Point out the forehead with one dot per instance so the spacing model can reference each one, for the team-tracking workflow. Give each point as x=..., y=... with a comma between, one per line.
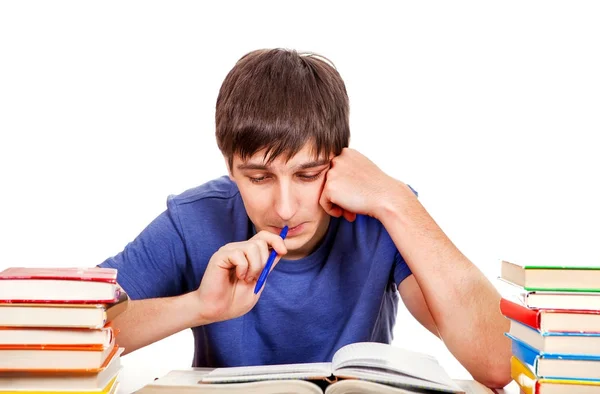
x=308, y=153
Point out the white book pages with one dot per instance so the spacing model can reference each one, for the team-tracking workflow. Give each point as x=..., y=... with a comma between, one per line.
x=473, y=387
x=393, y=359
x=363, y=387
x=270, y=372
x=394, y=379
x=182, y=377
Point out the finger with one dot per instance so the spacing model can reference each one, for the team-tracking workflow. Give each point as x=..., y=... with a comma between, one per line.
x=332, y=209
x=273, y=240
x=263, y=248
x=335, y=210
x=277, y=258
x=324, y=200
x=329, y=207
x=238, y=259
x=349, y=216
x=255, y=263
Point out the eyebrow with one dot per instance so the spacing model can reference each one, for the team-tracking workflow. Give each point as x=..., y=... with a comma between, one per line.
x=303, y=166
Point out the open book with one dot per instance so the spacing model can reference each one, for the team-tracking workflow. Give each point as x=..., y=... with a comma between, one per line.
x=321, y=378
x=189, y=382
x=358, y=367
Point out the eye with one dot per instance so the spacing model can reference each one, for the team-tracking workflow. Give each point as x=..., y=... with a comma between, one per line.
x=259, y=179
x=308, y=177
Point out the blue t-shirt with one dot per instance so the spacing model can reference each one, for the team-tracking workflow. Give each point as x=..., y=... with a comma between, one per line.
x=344, y=292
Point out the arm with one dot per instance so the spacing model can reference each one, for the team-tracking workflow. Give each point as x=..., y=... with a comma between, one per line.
x=449, y=296
x=470, y=324
x=413, y=299
x=225, y=292
x=147, y=321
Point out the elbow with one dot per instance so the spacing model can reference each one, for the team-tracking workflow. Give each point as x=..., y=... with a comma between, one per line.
x=496, y=380
x=496, y=376
x=493, y=369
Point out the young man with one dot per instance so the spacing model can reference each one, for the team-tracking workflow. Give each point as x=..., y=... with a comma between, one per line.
x=356, y=239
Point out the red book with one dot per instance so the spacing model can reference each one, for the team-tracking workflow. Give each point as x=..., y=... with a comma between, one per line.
x=552, y=320
x=59, y=285
x=95, y=274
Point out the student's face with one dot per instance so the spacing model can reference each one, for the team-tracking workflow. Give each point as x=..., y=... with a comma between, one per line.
x=285, y=193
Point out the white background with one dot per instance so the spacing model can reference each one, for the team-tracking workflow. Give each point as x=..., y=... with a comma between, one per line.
x=489, y=109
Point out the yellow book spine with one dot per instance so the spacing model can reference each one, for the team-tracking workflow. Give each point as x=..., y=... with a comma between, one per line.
x=530, y=384
x=571, y=382
x=522, y=375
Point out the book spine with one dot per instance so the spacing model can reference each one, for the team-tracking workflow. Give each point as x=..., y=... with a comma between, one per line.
x=524, y=353
x=520, y=313
x=60, y=301
x=523, y=376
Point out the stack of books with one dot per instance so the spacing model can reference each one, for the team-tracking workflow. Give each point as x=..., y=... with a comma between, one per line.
x=554, y=314
x=55, y=333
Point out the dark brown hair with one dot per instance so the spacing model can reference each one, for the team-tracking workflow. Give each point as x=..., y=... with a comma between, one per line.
x=278, y=100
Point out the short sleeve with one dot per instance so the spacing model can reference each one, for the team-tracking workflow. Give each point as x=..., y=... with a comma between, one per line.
x=153, y=264
x=401, y=270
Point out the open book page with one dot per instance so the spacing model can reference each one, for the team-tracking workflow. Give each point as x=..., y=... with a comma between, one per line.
x=399, y=380
x=366, y=387
x=378, y=359
x=363, y=387
x=473, y=387
x=188, y=381
x=183, y=377
x=269, y=372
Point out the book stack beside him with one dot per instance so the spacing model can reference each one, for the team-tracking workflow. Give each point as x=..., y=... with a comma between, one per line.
x=55, y=333
x=554, y=314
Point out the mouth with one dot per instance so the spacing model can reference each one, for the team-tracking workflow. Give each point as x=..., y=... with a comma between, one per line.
x=292, y=231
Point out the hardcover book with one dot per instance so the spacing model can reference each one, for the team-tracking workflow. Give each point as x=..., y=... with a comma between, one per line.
x=59, y=285
x=552, y=277
x=366, y=361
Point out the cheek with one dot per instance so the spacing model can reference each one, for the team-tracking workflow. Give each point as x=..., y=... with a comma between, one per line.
x=310, y=196
x=255, y=204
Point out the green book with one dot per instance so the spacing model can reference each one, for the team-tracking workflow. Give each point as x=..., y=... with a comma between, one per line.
x=552, y=277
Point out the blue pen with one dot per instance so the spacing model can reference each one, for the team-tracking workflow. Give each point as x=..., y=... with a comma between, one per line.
x=263, y=275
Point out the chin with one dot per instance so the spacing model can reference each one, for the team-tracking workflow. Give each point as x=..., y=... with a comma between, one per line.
x=299, y=244
x=294, y=244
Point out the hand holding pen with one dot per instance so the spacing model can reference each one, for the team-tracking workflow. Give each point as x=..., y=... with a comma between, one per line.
x=235, y=275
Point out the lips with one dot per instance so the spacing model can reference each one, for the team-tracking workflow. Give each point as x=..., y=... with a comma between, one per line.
x=293, y=230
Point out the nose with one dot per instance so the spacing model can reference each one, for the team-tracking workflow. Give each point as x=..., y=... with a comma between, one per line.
x=285, y=202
